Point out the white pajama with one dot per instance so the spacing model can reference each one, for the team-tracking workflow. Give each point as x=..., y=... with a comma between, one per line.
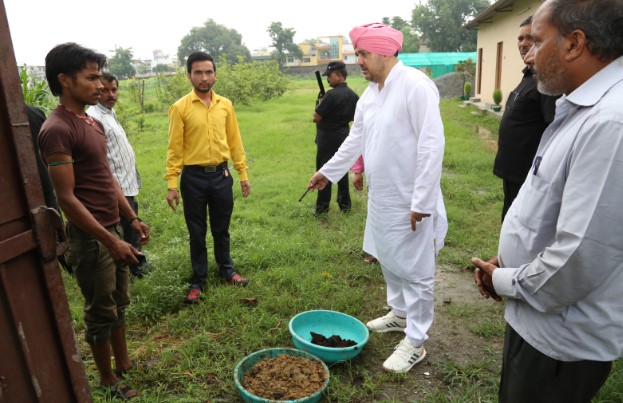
x=412, y=298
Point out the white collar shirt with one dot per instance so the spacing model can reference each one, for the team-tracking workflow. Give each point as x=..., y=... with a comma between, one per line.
x=120, y=154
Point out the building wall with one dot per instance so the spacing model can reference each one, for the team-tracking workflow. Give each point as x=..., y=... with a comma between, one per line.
x=504, y=29
x=325, y=50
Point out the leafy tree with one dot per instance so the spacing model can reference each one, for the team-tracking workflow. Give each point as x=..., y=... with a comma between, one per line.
x=441, y=21
x=163, y=68
x=215, y=39
x=410, y=41
x=121, y=63
x=283, y=42
x=396, y=22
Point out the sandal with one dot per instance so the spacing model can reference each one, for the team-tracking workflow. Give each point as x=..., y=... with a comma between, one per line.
x=237, y=279
x=122, y=391
x=194, y=292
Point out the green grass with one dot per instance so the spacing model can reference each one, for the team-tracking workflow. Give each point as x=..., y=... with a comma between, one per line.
x=297, y=262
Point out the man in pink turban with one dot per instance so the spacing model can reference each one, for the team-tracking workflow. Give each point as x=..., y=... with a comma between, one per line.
x=398, y=130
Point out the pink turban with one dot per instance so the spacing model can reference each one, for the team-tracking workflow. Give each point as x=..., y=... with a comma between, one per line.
x=376, y=38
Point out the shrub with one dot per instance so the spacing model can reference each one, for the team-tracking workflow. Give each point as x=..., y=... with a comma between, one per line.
x=36, y=92
x=172, y=88
x=467, y=89
x=497, y=96
x=243, y=82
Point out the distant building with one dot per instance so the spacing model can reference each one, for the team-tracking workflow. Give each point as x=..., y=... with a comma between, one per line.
x=160, y=58
x=326, y=49
x=498, y=64
x=348, y=51
x=262, y=54
x=310, y=56
x=142, y=67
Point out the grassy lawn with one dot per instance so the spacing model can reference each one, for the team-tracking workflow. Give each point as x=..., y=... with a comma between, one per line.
x=297, y=262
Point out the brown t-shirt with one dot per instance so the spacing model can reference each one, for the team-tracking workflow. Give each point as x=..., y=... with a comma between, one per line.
x=63, y=132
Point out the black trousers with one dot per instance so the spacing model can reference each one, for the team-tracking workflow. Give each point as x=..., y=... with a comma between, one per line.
x=206, y=193
x=529, y=376
x=323, y=155
x=511, y=189
x=128, y=233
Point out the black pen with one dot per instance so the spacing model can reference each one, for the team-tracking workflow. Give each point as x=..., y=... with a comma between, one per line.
x=537, y=162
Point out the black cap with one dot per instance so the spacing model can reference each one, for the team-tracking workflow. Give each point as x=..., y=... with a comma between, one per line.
x=334, y=66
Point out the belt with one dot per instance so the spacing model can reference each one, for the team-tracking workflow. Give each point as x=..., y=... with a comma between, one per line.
x=78, y=233
x=207, y=168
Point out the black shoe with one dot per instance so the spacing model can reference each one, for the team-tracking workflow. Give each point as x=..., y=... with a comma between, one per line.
x=345, y=209
x=141, y=270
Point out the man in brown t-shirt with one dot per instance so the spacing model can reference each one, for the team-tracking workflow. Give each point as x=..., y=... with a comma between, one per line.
x=74, y=147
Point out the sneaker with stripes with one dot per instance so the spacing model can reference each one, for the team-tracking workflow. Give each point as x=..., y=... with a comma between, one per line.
x=404, y=357
x=387, y=323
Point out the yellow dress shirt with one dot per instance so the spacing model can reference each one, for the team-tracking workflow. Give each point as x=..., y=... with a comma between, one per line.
x=199, y=135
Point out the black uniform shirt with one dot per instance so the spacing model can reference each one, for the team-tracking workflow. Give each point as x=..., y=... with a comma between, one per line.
x=337, y=109
x=527, y=115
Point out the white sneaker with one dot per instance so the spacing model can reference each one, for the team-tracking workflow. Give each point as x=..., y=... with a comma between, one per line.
x=404, y=357
x=387, y=323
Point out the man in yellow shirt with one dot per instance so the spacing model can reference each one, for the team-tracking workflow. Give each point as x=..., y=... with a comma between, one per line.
x=203, y=136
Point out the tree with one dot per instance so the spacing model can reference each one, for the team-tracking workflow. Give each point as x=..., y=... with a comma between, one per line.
x=410, y=41
x=121, y=63
x=283, y=42
x=440, y=23
x=216, y=40
x=396, y=22
x=163, y=68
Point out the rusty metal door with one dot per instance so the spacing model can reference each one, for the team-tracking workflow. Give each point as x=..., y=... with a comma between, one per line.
x=39, y=357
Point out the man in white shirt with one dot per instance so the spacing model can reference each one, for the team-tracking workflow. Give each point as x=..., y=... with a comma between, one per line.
x=398, y=130
x=121, y=159
x=560, y=256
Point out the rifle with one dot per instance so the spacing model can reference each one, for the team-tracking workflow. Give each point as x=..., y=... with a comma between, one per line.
x=320, y=86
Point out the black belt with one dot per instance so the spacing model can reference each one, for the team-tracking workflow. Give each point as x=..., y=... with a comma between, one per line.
x=207, y=168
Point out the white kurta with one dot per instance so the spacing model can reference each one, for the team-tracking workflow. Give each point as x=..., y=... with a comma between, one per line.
x=399, y=132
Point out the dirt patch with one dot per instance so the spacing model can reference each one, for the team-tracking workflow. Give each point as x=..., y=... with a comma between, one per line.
x=334, y=341
x=458, y=347
x=487, y=138
x=285, y=377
